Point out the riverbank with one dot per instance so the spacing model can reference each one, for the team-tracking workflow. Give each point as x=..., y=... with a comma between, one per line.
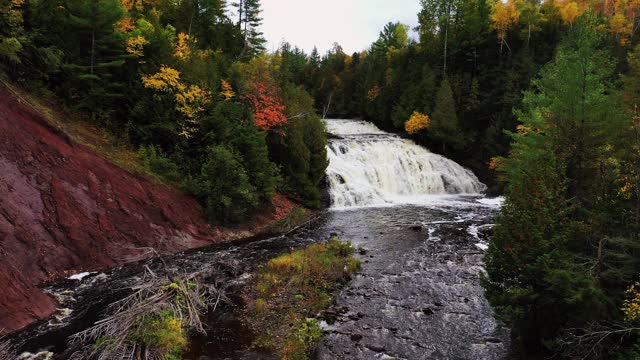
x=417, y=295
x=67, y=208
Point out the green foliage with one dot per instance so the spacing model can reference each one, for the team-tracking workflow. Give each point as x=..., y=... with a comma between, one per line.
x=444, y=120
x=393, y=36
x=300, y=150
x=97, y=51
x=296, y=217
x=158, y=164
x=96, y=55
x=224, y=183
x=552, y=265
x=291, y=288
x=163, y=333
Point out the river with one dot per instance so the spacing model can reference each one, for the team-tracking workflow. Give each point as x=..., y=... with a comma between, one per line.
x=421, y=226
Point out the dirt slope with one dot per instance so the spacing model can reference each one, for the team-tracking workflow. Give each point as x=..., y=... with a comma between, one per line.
x=65, y=209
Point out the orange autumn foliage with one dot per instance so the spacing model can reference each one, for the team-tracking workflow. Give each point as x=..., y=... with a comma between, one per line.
x=416, y=123
x=268, y=108
x=373, y=94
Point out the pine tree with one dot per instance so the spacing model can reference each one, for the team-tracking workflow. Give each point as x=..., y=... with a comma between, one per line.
x=444, y=121
x=96, y=51
x=249, y=22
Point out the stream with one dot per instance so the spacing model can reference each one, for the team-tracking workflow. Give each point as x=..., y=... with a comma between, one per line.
x=421, y=226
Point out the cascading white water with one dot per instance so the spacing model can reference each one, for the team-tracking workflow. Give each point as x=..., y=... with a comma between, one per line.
x=369, y=167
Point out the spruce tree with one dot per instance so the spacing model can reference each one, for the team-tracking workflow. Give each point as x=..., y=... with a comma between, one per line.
x=95, y=52
x=444, y=128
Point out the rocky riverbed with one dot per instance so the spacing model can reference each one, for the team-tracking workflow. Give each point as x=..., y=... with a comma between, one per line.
x=418, y=295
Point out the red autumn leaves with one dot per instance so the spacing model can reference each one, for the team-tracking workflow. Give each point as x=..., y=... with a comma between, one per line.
x=267, y=106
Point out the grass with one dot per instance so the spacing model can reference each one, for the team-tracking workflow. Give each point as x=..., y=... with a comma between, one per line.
x=291, y=290
x=164, y=332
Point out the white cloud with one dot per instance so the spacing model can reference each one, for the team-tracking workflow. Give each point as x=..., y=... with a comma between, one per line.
x=354, y=24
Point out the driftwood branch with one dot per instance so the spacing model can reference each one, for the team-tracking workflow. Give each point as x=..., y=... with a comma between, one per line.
x=6, y=350
x=110, y=338
x=589, y=342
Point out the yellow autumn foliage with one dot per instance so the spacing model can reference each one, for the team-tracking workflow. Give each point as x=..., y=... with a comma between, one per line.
x=416, y=123
x=125, y=25
x=135, y=45
x=569, y=11
x=373, y=94
x=622, y=27
x=183, y=51
x=12, y=12
x=166, y=80
x=190, y=100
x=631, y=306
x=503, y=16
x=226, y=90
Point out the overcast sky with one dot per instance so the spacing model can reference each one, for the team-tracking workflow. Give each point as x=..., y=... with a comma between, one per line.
x=355, y=24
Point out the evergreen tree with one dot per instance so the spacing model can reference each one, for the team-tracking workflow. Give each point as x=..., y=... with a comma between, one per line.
x=444, y=127
x=393, y=35
x=542, y=257
x=249, y=22
x=96, y=52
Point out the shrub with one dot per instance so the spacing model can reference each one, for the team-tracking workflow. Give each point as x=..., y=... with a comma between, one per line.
x=224, y=186
x=155, y=162
x=164, y=333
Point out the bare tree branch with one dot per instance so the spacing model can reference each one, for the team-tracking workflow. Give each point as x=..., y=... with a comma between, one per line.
x=589, y=342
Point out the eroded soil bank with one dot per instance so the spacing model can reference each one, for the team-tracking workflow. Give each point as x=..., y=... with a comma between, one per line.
x=418, y=295
x=66, y=209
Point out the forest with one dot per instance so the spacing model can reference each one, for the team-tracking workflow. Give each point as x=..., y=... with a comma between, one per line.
x=184, y=83
x=539, y=98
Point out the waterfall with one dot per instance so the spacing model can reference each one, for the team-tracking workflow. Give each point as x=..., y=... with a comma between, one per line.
x=369, y=167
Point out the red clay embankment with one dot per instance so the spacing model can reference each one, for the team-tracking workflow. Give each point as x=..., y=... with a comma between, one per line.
x=64, y=209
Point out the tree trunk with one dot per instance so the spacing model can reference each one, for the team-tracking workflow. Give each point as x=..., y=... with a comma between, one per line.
x=240, y=7
x=446, y=39
x=93, y=50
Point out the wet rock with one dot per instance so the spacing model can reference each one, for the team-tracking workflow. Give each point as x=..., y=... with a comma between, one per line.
x=376, y=347
x=493, y=340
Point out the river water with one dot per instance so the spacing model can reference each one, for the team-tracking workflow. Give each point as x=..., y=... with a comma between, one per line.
x=422, y=228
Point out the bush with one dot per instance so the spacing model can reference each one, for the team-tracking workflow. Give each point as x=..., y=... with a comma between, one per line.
x=156, y=163
x=224, y=186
